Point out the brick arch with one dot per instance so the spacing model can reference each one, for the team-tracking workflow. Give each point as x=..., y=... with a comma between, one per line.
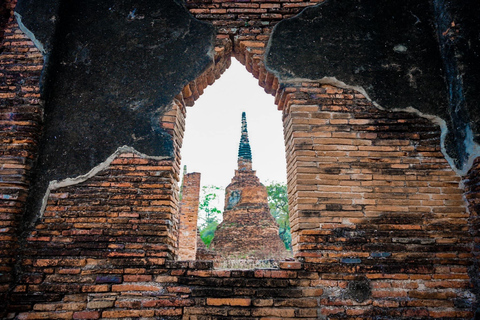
x=370, y=191
x=374, y=155
x=243, y=30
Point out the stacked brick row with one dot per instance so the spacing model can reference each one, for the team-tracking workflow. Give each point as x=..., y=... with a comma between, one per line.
x=20, y=120
x=286, y=293
x=181, y=290
x=138, y=291
x=246, y=17
x=173, y=122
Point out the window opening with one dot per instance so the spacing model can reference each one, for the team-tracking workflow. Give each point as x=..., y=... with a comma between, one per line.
x=211, y=147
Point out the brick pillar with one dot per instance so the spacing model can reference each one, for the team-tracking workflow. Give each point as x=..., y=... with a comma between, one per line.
x=187, y=238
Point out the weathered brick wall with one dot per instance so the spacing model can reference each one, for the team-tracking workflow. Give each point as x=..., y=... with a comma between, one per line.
x=188, y=211
x=378, y=219
x=244, y=27
x=6, y=8
x=20, y=121
x=363, y=257
x=92, y=234
x=123, y=216
x=371, y=194
x=472, y=196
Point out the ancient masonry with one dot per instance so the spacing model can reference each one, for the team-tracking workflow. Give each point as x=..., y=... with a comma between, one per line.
x=188, y=211
x=383, y=199
x=190, y=245
x=248, y=230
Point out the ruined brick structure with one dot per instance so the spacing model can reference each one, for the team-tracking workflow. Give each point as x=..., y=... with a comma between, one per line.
x=188, y=211
x=383, y=198
x=248, y=229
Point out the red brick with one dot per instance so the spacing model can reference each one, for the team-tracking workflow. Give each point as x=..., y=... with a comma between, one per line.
x=86, y=315
x=229, y=302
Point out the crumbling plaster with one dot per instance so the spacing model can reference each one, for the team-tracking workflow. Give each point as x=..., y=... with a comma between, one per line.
x=408, y=55
x=394, y=54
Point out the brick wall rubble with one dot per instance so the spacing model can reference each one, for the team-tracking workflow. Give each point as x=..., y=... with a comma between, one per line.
x=188, y=212
x=204, y=253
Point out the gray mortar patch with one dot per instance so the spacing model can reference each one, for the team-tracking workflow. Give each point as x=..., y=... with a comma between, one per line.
x=29, y=34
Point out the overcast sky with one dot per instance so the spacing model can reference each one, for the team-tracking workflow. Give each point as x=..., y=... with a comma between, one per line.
x=213, y=127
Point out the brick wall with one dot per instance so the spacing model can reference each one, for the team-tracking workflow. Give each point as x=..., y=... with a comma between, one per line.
x=188, y=211
x=472, y=195
x=362, y=257
x=92, y=234
x=379, y=224
x=6, y=8
x=371, y=195
x=20, y=121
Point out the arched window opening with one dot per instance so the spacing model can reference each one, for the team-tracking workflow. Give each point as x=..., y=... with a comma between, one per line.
x=215, y=131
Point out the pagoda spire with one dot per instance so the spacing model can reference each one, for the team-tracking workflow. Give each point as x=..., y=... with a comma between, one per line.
x=244, y=150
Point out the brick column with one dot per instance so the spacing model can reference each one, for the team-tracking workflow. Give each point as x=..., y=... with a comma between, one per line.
x=187, y=238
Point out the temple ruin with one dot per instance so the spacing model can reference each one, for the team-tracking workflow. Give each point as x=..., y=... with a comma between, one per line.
x=379, y=101
x=248, y=230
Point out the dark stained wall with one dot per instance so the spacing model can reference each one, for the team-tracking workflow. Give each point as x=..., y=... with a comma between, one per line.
x=398, y=52
x=113, y=70
x=421, y=54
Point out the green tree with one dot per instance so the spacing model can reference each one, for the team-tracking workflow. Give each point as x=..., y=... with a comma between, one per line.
x=208, y=213
x=278, y=203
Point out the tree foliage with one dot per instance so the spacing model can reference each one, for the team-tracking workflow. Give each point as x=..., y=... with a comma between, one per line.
x=208, y=214
x=278, y=202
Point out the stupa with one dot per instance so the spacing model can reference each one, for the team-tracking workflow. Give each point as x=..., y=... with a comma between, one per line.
x=248, y=230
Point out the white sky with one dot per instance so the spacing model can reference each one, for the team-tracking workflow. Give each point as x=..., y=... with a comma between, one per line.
x=213, y=127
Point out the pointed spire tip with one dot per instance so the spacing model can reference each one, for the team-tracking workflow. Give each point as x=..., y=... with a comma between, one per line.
x=244, y=150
